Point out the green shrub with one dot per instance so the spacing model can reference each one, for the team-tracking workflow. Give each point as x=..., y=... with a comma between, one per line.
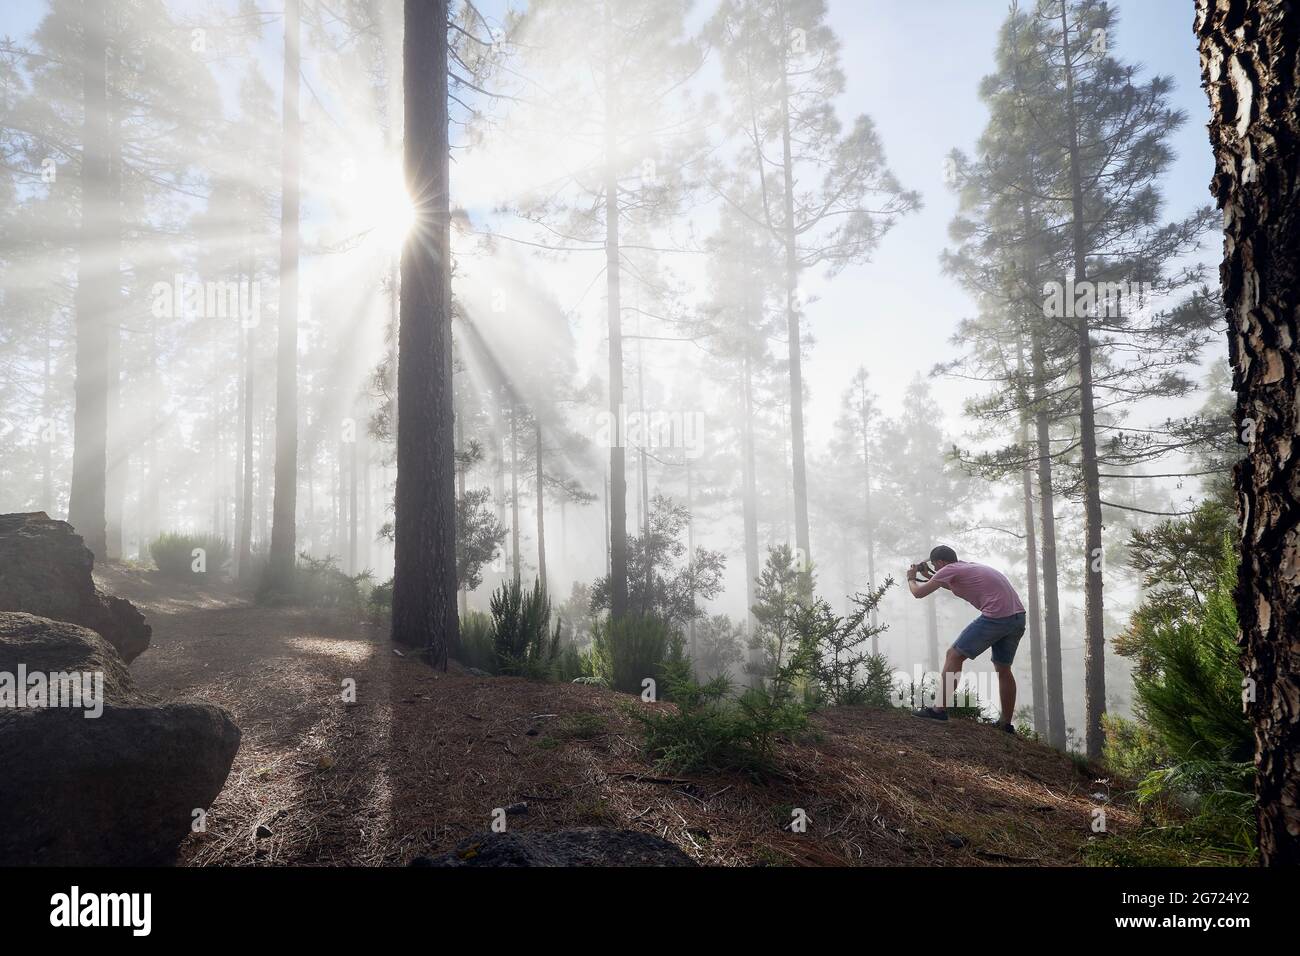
x=477, y=648
x=173, y=555
x=625, y=651
x=1192, y=745
x=710, y=730
x=523, y=641
x=319, y=582
x=380, y=602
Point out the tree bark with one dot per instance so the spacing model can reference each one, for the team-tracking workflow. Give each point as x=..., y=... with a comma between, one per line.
x=1249, y=55
x=1047, y=521
x=86, y=502
x=514, y=486
x=749, y=505
x=284, y=509
x=617, y=475
x=541, y=501
x=246, y=483
x=799, y=478
x=424, y=580
x=1031, y=562
x=1094, y=653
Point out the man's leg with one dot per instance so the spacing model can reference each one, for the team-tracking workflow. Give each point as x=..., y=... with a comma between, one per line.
x=952, y=665
x=1007, y=692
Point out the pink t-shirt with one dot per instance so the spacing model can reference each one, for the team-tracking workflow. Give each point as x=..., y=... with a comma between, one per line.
x=978, y=584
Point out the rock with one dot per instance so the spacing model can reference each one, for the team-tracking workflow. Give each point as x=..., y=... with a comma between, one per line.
x=45, y=570
x=262, y=832
x=586, y=846
x=118, y=789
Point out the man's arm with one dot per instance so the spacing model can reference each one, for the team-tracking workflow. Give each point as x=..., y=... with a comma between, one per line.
x=921, y=589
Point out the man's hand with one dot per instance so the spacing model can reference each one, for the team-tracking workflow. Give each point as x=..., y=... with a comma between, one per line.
x=911, y=572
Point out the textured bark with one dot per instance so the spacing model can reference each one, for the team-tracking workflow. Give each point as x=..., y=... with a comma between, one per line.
x=424, y=582
x=1047, y=521
x=86, y=501
x=285, y=506
x=514, y=486
x=749, y=506
x=541, y=504
x=1031, y=570
x=794, y=343
x=245, y=554
x=1250, y=55
x=617, y=462
x=1094, y=648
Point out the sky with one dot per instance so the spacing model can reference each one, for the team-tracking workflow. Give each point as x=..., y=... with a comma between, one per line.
x=914, y=68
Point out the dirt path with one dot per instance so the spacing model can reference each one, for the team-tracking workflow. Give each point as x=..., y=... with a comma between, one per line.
x=421, y=760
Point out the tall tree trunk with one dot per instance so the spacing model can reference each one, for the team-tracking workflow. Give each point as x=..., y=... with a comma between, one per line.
x=690, y=550
x=245, y=552
x=617, y=477
x=463, y=595
x=47, y=424
x=86, y=503
x=284, y=510
x=424, y=581
x=115, y=459
x=866, y=517
x=352, y=504
x=799, y=479
x=1047, y=523
x=1031, y=566
x=1094, y=653
x=541, y=505
x=514, y=486
x=1249, y=55
x=749, y=505
x=932, y=634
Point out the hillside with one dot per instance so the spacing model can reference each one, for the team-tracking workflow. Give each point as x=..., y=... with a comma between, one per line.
x=422, y=759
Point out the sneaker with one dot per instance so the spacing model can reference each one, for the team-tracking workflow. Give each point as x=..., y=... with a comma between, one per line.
x=930, y=713
x=1010, y=729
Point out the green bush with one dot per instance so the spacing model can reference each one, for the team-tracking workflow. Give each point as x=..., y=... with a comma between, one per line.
x=523, y=641
x=477, y=648
x=1192, y=745
x=173, y=555
x=627, y=650
x=318, y=582
x=380, y=602
x=710, y=730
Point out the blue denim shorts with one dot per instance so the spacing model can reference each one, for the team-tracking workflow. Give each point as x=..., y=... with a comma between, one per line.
x=1000, y=633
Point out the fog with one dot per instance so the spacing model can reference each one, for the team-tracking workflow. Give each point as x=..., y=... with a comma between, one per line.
x=857, y=175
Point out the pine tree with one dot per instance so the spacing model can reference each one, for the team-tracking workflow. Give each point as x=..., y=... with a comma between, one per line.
x=424, y=579
x=781, y=63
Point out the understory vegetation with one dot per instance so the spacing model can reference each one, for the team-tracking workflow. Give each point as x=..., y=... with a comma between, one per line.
x=1190, y=750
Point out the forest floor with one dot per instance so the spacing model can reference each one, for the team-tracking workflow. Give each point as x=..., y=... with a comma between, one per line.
x=422, y=759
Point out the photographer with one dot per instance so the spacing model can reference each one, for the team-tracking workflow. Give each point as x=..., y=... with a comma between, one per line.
x=1000, y=625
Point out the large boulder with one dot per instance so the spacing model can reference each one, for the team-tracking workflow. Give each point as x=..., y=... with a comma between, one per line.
x=585, y=846
x=120, y=788
x=45, y=570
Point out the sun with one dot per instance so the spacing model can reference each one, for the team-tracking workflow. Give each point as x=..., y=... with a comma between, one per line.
x=378, y=205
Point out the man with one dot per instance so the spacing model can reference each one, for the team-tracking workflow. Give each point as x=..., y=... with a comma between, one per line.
x=1000, y=626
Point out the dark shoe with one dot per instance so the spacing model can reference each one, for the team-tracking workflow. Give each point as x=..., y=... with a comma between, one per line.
x=1009, y=728
x=930, y=713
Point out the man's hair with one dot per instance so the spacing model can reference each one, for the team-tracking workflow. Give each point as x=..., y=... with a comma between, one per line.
x=943, y=553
